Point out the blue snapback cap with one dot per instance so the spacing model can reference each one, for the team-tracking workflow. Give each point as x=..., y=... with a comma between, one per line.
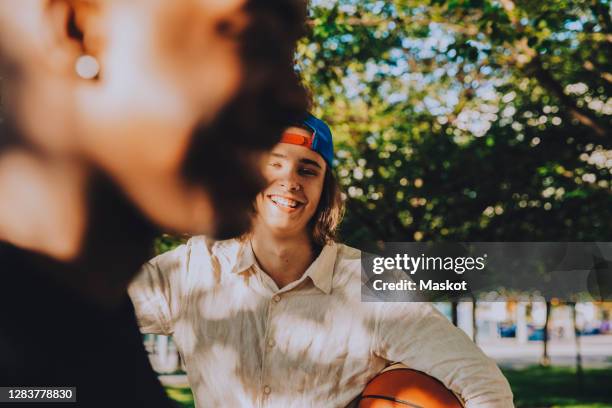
x=322, y=141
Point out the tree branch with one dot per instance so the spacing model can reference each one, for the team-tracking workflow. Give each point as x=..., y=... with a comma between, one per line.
x=534, y=66
x=546, y=79
x=590, y=66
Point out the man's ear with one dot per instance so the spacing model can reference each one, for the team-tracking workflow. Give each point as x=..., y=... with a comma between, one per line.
x=66, y=22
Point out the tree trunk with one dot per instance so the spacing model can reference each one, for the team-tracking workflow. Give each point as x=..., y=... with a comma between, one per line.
x=579, y=372
x=474, y=323
x=545, y=360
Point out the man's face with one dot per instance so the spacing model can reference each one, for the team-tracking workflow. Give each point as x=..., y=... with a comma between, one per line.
x=164, y=68
x=167, y=68
x=168, y=72
x=295, y=176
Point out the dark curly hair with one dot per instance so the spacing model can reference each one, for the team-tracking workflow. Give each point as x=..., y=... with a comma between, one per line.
x=271, y=97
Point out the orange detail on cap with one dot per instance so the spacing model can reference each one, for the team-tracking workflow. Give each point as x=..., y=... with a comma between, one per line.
x=296, y=139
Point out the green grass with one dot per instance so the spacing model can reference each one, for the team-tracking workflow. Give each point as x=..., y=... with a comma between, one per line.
x=534, y=387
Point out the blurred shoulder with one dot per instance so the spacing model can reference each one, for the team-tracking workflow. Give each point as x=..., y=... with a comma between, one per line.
x=199, y=262
x=196, y=250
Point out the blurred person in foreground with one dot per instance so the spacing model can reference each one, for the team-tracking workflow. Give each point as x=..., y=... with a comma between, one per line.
x=119, y=118
x=275, y=317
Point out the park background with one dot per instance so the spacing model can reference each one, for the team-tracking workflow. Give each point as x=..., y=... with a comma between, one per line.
x=472, y=120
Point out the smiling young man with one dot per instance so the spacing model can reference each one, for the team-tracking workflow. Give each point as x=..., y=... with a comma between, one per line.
x=275, y=319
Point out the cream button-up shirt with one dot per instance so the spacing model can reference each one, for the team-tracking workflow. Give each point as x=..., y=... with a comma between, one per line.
x=313, y=343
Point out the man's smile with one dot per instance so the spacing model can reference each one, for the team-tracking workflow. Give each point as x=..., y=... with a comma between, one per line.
x=285, y=203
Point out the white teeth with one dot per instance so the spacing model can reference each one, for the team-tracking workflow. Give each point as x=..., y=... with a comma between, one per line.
x=284, y=201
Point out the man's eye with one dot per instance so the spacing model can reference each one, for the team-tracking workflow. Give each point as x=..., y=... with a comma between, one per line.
x=308, y=172
x=275, y=164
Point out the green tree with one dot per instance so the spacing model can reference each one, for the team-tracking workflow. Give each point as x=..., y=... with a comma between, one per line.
x=467, y=119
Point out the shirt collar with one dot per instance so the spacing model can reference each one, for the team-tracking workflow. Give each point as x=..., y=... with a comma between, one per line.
x=246, y=257
x=320, y=271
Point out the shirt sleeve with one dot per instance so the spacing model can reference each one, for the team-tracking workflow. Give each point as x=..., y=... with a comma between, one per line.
x=155, y=292
x=420, y=337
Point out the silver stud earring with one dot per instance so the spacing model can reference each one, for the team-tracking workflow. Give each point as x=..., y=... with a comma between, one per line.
x=87, y=67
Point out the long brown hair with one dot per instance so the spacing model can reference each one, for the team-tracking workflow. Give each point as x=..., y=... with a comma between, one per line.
x=324, y=223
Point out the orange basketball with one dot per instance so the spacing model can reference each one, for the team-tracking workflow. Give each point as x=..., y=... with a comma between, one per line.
x=403, y=388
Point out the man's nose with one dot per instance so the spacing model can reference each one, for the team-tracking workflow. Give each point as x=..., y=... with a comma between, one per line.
x=290, y=183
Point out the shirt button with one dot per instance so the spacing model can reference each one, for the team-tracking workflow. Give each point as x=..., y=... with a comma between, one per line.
x=271, y=343
x=267, y=390
x=276, y=298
